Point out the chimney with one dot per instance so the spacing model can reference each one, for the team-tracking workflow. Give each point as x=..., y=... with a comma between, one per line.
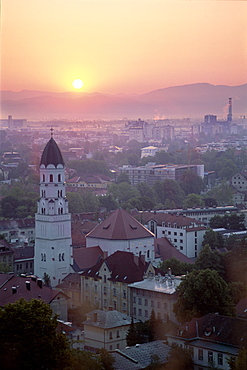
x=95, y=316
x=14, y=289
x=28, y=285
x=110, y=308
x=136, y=260
x=39, y=283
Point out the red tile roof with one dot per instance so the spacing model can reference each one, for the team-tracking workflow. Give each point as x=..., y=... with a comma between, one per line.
x=216, y=328
x=120, y=225
x=124, y=267
x=86, y=257
x=179, y=220
x=165, y=250
x=45, y=293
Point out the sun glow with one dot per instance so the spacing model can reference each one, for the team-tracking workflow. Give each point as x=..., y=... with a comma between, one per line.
x=77, y=84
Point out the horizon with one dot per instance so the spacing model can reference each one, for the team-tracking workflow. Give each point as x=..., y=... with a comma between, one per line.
x=122, y=47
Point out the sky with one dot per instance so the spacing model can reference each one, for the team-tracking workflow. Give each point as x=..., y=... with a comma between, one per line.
x=122, y=46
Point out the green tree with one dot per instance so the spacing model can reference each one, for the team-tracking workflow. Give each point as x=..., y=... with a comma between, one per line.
x=212, y=260
x=122, y=177
x=193, y=200
x=108, y=202
x=241, y=362
x=132, y=335
x=223, y=194
x=28, y=337
x=84, y=360
x=202, y=292
x=180, y=359
x=190, y=182
x=177, y=267
x=168, y=189
x=106, y=359
x=122, y=192
x=213, y=239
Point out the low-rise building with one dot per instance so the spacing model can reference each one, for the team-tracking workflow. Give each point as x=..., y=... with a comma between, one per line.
x=106, y=283
x=6, y=256
x=20, y=230
x=122, y=232
x=13, y=288
x=185, y=233
x=212, y=339
x=150, y=173
x=156, y=293
x=106, y=329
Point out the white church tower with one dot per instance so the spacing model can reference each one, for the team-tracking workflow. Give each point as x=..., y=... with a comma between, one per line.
x=53, y=250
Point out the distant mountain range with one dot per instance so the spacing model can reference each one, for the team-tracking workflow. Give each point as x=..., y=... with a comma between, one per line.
x=194, y=101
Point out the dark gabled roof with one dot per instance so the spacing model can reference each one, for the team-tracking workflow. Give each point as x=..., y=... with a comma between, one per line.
x=51, y=154
x=231, y=331
x=120, y=225
x=85, y=258
x=107, y=319
x=45, y=293
x=124, y=267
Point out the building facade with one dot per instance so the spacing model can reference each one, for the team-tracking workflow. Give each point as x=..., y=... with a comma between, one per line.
x=156, y=293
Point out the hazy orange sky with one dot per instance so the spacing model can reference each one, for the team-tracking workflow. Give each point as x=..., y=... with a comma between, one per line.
x=122, y=46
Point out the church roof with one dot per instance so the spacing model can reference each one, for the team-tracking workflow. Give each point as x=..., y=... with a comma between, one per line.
x=120, y=225
x=51, y=154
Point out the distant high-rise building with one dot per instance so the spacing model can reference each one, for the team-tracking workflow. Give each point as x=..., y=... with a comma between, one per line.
x=53, y=251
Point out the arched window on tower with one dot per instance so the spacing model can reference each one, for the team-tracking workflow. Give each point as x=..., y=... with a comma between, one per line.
x=43, y=178
x=59, y=177
x=51, y=178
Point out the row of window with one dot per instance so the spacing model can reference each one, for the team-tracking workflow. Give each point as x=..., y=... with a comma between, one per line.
x=51, y=178
x=210, y=357
x=60, y=257
x=26, y=266
x=147, y=314
x=152, y=303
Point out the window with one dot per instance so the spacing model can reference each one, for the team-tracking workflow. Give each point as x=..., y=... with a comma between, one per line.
x=200, y=354
x=95, y=289
x=105, y=305
x=181, y=234
x=134, y=311
x=124, y=306
x=59, y=177
x=51, y=178
x=175, y=233
x=175, y=240
x=146, y=313
x=152, y=303
x=146, y=302
x=181, y=240
x=140, y=312
x=165, y=305
x=139, y=301
x=104, y=278
x=124, y=294
x=110, y=335
x=158, y=305
x=114, y=305
x=114, y=292
x=220, y=359
x=43, y=178
x=104, y=289
x=110, y=348
x=210, y=357
x=118, y=334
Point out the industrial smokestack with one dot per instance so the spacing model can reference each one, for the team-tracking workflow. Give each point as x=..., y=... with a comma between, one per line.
x=229, y=116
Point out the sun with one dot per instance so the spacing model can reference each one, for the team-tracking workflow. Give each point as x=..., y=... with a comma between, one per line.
x=77, y=84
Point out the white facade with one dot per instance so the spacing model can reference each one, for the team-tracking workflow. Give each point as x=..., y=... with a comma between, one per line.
x=53, y=251
x=144, y=246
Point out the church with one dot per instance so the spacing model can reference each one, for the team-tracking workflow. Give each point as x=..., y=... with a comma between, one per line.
x=53, y=243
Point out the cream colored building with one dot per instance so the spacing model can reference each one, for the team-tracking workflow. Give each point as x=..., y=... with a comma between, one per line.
x=106, y=329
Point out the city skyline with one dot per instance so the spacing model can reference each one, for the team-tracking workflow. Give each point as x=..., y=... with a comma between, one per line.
x=122, y=46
